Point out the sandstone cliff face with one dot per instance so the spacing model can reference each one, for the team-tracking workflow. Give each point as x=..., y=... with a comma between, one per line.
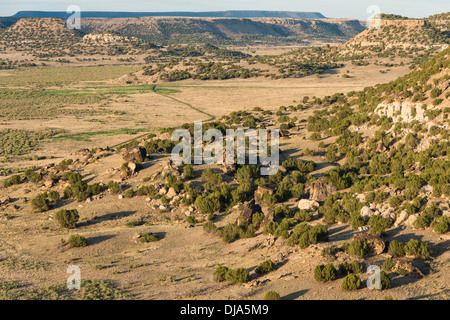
x=404, y=111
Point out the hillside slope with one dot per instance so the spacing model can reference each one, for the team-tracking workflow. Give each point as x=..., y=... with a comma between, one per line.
x=226, y=30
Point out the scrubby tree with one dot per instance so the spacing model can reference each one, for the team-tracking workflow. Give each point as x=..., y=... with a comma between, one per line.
x=351, y=282
x=67, y=218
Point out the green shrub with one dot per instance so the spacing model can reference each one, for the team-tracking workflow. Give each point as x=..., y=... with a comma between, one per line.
x=188, y=172
x=15, y=179
x=351, y=282
x=247, y=232
x=272, y=295
x=421, y=222
x=388, y=264
x=297, y=190
x=76, y=241
x=419, y=249
x=207, y=204
x=354, y=267
x=41, y=203
x=265, y=267
x=67, y=218
x=270, y=228
x=230, y=232
x=191, y=220
x=396, y=248
x=129, y=193
x=54, y=196
x=148, y=237
x=210, y=227
x=358, y=221
x=379, y=224
x=114, y=188
x=325, y=273
x=220, y=273
x=303, y=216
x=441, y=225
x=239, y=275
x=385, y=281
x=358, y=248
x=328, y=251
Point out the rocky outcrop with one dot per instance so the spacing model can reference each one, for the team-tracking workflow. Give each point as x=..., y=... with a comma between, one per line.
x=246, y=212
x=261, y=191
x=405, y=264
x=134, y=154
x=319, y=190
x=374, y=241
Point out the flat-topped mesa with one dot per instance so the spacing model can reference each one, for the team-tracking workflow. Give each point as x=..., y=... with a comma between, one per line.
x=398, y=23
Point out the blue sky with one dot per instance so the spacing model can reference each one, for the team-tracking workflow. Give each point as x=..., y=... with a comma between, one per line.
x=330, y=8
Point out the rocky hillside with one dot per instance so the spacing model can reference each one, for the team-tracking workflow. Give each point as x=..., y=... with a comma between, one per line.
x=39, y=35
x=162, y=30
x=422, y=96
x=50, y=37
x=417, y=39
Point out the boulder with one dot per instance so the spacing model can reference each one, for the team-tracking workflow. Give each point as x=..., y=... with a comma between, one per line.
x=366, y=212
x=402, y=217
x=246, y=212
x=171, y=193
x=305, y=204
x=319, y=190
x=263, y=190
x=411, y=219
x=374, y=241
x=134, y=154
x=132, y=167
x=269, y=216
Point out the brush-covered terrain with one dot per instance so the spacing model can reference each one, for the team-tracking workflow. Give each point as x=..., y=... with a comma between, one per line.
x=87, y=178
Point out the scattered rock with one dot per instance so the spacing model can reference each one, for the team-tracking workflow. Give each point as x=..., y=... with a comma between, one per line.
x=405, y=264
x=171, y=193
x=246, y=212
x=305, y=204
x=374, y=241
x=402, y=217
x=366, y=212
x=261, y=191
x=411, y=219
x=134, y=154
x=319, y=190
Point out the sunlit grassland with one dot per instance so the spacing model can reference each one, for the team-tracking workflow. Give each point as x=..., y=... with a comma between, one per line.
x=85, y=136
x=103, y=89
x=58, y=76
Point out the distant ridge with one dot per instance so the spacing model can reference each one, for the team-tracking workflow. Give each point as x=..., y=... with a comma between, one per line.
x=208, y=14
